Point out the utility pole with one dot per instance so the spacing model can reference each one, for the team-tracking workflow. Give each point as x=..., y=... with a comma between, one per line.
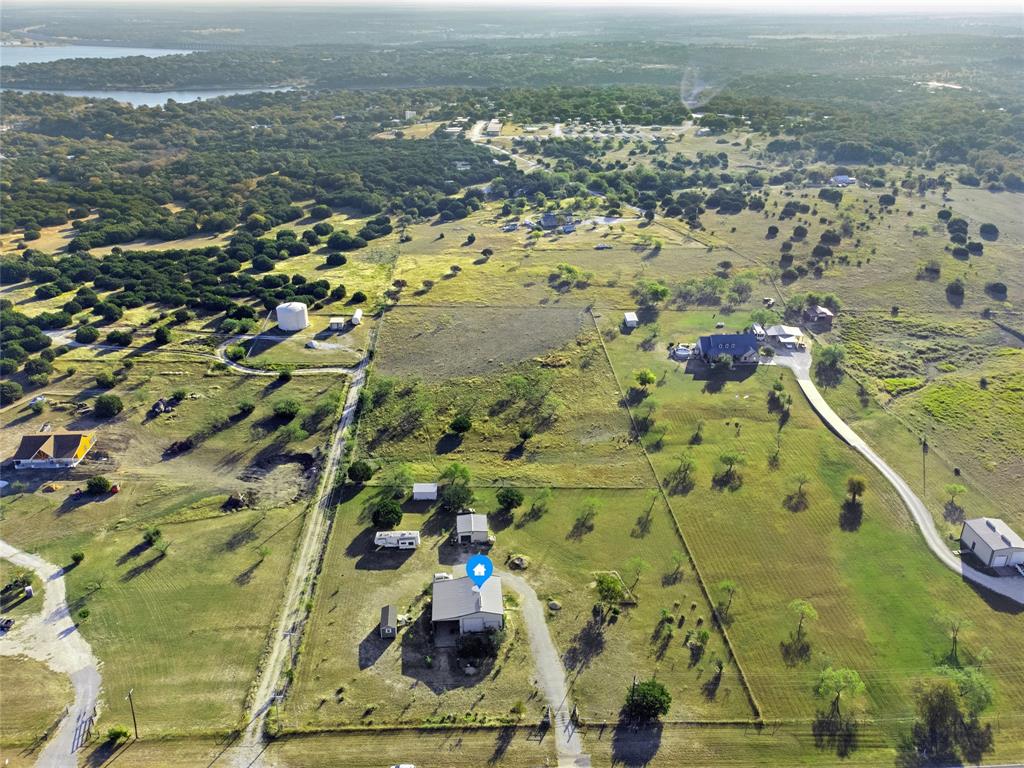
x=131, y=703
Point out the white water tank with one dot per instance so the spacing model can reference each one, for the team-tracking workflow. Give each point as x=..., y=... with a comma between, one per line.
x=292, y=316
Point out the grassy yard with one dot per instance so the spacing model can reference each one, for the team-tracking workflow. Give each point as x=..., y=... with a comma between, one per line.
x=861, y=573
x=33, y=699
x=349, y=676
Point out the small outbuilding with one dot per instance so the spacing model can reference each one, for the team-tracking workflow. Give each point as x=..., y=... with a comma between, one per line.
x=472, y=528
x=388, y=621
x=788, y=336
x=993, y=542
x=630, y=320
x=292, y=316
x=336, y=324
x=819, y=315
x=424, y=491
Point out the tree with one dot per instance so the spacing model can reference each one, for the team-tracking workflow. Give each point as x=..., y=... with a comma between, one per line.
x=98, y=485
x=855, y=486
x=805, y=611
x=831, y=356
x=455, y=472
x=953, y=490
x=396, y=480
x=387, y=513
x=10, y=391
x=954, y=624
x=77, y=557
x=645, y=377
x=86, y=334
x=461, y=424
x=802, y=479
x=287, y=409
x=647, y=700
x=728, y=586
x=455, y=496
x=946, y=725
x=636, y=565
x=731, y=459
x=162, y=335
x=834, y=684
x=610, y=589
x=509, y=498
x=360, y=471
x=680, y=479
x=108, y=406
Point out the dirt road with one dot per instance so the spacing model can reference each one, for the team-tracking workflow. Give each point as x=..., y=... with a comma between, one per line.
x=52, y=638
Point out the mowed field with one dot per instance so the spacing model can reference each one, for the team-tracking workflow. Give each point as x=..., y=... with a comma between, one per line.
x=183, y=622
x=33, y=699
x=879, y=593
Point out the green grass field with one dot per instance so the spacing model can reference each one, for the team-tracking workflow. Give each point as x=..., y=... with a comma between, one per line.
x=877, y=589
x=33, y=700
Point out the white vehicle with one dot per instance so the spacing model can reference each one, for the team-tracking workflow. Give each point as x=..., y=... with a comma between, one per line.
x=397, y=539
x=681, y=353
x=603, y=247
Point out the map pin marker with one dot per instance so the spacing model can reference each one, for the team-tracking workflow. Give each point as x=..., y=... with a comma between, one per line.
x=479, y=569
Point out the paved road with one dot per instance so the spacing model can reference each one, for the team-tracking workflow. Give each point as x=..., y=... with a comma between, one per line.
x=1007, y=586
x=550, y=674
x=250, y=748
x=51, y=637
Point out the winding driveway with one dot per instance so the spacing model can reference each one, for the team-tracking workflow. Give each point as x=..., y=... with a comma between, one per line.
x=1011, y=587
x=550, y=675
x=52, y=638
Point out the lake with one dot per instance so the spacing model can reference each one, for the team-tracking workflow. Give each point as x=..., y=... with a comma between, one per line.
x=11, y=55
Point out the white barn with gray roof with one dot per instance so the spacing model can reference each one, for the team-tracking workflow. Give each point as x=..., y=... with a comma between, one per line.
x=993, y=542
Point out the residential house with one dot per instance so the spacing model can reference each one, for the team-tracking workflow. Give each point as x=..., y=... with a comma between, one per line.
x=54, y=450
x=471, y=528
x=742, y=347
x=993, y=542
x=493, y=127
x=842, y=180
x=459, y=604
x=548, y=220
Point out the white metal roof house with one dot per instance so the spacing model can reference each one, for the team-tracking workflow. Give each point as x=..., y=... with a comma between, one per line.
x=471, y=528
x=993, y=542
x=630, y=320
x=459, y=602
x=424, y=491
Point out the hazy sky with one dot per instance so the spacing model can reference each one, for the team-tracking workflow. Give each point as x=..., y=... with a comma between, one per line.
x=767, y=7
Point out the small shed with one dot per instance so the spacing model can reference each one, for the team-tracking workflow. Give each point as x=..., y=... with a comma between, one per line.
x=471, y=529
x=630, y=320
x=424, y=491
x=357, y=317
x=336, y=323
x=388, y=621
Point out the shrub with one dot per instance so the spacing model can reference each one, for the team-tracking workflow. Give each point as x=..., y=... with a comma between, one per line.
x=358, y=297
x=108, y=406
x=77, y=557
x=360, y=471
x=105, y=379
x=98, y=485
x=336, y=260
x=234, y=353
x=461, y=424
x=117, y=733
x=120, y=338
x=286, y=409
x=284, y=376
x=162, y=335
x=387, y=513
x=86, y=334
